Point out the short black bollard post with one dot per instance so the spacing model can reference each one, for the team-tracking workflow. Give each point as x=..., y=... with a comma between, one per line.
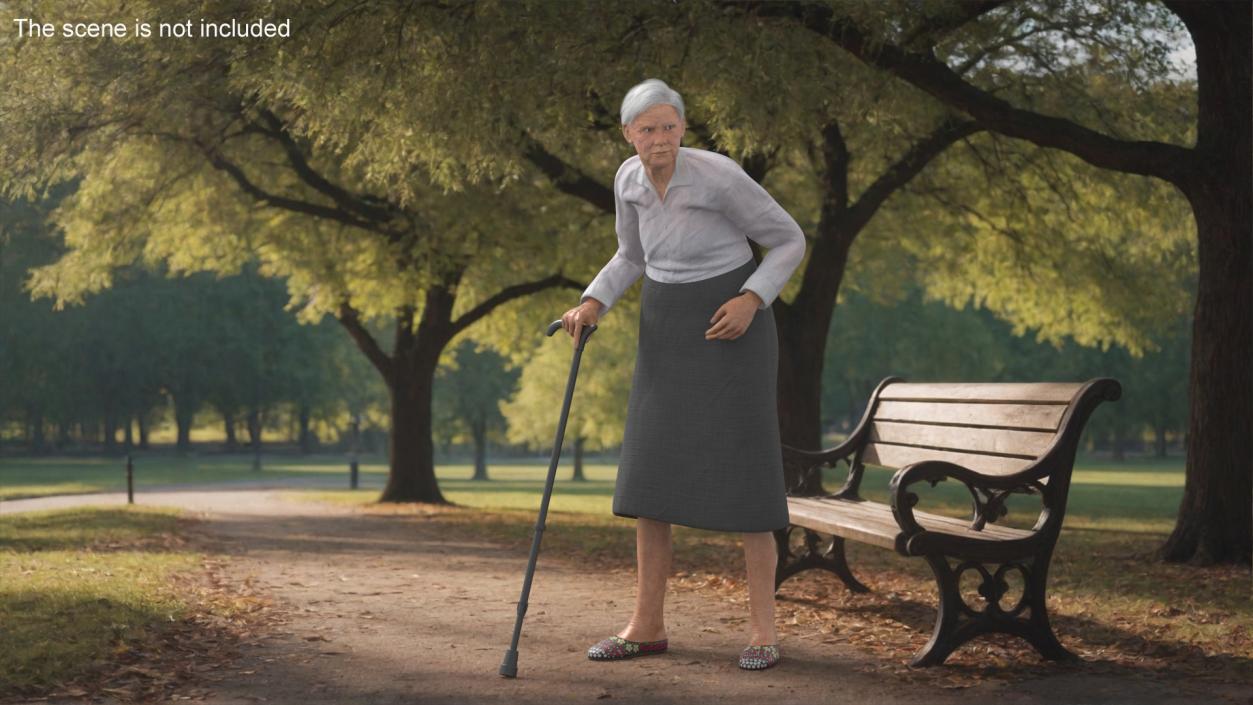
x=130, y=480
x=352, y=474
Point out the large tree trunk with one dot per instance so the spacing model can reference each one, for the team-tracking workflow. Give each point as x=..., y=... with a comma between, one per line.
x=411, y=477
x=1215, y=521
x=1215, y=518
x=802, y=331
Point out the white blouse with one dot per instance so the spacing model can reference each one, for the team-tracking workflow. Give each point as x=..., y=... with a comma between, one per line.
x=699, y=230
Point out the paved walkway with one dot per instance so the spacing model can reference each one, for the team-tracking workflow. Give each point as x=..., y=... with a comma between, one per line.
x=398, y=610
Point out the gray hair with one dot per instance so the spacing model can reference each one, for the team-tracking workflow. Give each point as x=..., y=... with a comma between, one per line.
x=647, y=94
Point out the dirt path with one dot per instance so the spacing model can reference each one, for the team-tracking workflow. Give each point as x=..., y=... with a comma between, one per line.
x=396, y=610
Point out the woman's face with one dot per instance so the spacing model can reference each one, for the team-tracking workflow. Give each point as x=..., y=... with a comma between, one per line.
x=656, y=134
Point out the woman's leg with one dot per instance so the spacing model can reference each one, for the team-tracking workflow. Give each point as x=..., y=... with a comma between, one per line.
x=761, y=557
x=653, y=552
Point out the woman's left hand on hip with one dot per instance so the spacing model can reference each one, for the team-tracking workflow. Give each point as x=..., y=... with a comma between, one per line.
x=733, y=318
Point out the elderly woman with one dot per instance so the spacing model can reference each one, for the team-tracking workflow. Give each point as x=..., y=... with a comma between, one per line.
x=701, y=443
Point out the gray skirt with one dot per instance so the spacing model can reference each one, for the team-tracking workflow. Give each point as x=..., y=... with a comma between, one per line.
x=701, y=444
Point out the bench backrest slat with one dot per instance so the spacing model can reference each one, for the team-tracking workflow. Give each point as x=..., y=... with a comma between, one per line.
x=896, y=456
x=1039, y=417
x=1015, y=392
x=995, y=429
x=1024, y=444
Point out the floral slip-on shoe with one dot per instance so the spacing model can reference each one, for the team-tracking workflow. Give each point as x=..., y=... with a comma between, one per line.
x=757, y=658
x=615, y=648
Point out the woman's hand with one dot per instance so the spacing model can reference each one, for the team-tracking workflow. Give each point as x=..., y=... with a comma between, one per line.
x=586, y=313
x=733, y=318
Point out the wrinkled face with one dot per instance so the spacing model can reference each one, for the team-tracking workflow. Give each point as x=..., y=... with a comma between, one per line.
x=656, y=134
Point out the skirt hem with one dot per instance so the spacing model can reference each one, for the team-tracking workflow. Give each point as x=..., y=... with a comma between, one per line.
x=682, y=522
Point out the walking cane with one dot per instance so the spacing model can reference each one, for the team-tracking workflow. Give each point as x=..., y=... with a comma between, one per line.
x=509, y=667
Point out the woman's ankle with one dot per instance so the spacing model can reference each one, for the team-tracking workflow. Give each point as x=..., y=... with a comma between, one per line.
x=636, y=633
x=762, y=638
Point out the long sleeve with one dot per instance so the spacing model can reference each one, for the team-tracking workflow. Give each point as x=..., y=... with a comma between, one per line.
x=755, y=212
x=627, y=264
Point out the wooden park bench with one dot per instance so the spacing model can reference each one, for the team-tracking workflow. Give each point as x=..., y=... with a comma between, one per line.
x=998, y=440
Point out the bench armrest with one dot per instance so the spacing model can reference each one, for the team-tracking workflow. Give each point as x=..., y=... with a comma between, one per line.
x=801, y=462
x=813, y=458
x=804, y=460
x=988, y=493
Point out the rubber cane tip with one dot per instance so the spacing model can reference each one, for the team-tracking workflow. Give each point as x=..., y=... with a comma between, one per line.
x=509, y=667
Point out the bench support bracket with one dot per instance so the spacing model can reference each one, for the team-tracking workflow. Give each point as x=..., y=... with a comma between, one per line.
x=830, y=558
x=957, y=622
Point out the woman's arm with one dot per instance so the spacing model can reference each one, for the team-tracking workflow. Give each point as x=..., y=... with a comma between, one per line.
x=755, y=212
x=627, y=265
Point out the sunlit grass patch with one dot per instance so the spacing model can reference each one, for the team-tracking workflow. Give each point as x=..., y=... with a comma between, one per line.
x=91, y=597
x=80, y=586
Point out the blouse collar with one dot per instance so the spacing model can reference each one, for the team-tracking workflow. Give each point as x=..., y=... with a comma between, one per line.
x=681, y=177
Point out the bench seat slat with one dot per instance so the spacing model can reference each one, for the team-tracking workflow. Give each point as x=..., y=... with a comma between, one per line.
x=1029, y=444
x=897, y=456
x=1037, y=392
x=1040, y=417
x=873, y=523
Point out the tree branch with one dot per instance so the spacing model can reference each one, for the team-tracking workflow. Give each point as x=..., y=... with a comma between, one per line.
x=349, y=319
x=932, y=76
x=508, y=294
x=367, y=207
x=908, y=166
x=235, y=172
x=567, y=178
x=931, y=29
x=835, y=160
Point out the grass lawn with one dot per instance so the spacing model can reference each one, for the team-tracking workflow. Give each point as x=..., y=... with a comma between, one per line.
x=36, y=477
x=1139, y=495
x=88, y=591
x=1111, y=600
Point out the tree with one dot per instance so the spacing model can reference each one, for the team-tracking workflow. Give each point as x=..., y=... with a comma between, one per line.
x=842, y=155
x=351, y=211
x=904, y=336
x=1215, y=521
x=598, y=409
x=104, y=364
x=467, y=394
x=207, y=157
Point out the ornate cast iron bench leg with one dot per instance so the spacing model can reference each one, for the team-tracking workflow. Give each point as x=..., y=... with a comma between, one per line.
x=830, y=558
x=957, y=622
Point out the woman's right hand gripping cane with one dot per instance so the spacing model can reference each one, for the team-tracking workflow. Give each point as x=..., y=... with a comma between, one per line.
x=586, y=313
